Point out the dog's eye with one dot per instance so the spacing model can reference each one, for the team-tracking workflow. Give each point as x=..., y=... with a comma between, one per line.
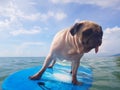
x=88, y=32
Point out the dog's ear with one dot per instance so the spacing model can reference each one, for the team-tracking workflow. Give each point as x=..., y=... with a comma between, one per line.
x=75, y=28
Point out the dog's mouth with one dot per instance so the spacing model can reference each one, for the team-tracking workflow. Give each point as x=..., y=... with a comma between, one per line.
x=88, y=49
x=92, y=43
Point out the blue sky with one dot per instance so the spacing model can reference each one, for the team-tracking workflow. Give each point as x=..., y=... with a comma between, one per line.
x=27, y=27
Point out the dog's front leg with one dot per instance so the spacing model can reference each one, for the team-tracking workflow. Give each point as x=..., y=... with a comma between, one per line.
x=75, y=66
x=38, y=75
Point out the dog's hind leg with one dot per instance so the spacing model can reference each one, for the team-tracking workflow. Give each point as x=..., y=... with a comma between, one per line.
x=52, y=63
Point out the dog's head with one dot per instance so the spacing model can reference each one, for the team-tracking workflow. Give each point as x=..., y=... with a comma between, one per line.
x=89, y=33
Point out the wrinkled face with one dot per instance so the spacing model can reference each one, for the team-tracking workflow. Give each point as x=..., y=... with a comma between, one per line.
x=91, y=35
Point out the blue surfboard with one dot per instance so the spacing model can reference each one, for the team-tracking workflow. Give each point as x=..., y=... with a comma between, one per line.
x=57, y=78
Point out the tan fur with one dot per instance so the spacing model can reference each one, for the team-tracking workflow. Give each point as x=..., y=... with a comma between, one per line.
x=65, y=46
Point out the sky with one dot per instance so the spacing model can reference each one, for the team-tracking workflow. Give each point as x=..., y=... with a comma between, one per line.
x=27, y=27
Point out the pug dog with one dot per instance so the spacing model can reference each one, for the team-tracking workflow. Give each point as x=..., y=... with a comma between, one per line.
x=70, y=44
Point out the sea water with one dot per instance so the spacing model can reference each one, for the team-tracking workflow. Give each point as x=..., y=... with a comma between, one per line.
x=106, y=70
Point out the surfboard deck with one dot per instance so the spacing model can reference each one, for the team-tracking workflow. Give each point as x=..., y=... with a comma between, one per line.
x=56, y=78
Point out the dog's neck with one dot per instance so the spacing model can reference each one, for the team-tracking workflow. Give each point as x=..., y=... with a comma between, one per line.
x=78, y=44
x=77, y=47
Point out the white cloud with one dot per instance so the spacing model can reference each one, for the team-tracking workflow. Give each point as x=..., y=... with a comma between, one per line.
x=4, y=23
x=12, y=13
x=16, y=16
x=60, y=16
x=111, y=41
x=22, y=31
x=43, y=16
x=101, y=3
x=24, y=49
x=35, y=30
x=26, y=44
x=8, y=16
x=30, y=49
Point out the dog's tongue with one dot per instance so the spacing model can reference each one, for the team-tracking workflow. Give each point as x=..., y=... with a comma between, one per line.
x=96, y=49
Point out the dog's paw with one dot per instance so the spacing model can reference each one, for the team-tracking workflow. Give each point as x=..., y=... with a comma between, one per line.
x=34, y=77
x=75, y=82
